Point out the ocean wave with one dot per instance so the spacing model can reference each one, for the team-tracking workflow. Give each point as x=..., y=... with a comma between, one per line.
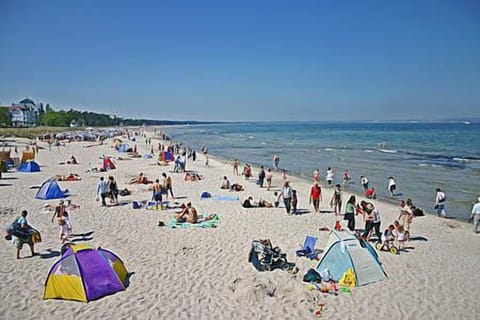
x=368, y=150
x=388, y=151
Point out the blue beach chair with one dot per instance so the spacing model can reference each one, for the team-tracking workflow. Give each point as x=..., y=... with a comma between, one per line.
x=308, y=249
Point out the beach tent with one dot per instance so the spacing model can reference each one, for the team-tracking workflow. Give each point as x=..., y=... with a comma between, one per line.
x=85, y=274
x=29, y=166
x=344, y=251
x=108, y=164
x=51, y=190
x=166, y=156
x=123, y=147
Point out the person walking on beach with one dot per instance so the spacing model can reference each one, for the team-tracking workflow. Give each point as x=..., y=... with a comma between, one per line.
x=336, y=200
x=405, y=216
x=294, y=201
x=102, y=191
x=316, y=196
x=364, y=183
x=62, y=219
x=261, y=176
x=235, y=167
x=167, y=185
x=269, y=179
x=276, y=161
x=440, y=200
x=22, y=225
x=330, y=175
x=391, y=186
x=113, y=189
x=476, y=216
x=286, y=194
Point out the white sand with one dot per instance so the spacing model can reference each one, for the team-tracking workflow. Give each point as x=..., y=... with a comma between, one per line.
x=204, y=273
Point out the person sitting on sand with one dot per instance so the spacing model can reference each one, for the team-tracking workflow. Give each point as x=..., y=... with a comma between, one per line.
x=236, y=187
x=140, y=179
x=188, y=214
x=70, y=177
x=225, y=183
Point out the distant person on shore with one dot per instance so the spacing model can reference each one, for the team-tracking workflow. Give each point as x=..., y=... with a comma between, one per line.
x=391, y=186
x=316, y=176
x=236, y=163
x=370, y=193
x=284, y=177
x=346, y=176
x=294, y=201
x=476, y=216
x=286, y=194
x=316, y=196
x=364, y=183
x=330, y=175
x=440, y=201
x=269, y=177
x=336, y=200
x=247, y=171
x=276, y=161
x=261, y=176
x=350, y=213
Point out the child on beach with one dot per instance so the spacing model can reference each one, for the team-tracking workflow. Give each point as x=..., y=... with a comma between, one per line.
x=387, y=236
x=330, y=175
x=401, y=238
x=276, y=199
x=269, y=179
x=346, y=176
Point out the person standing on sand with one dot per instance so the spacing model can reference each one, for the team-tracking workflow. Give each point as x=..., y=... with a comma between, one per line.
x=316, y=176
x=336, y=200
x=476, y=216
x=236, y=163
x=286, y=194
x=269, y=179
x=405, y=216
x=157, y=193
x=316, y=196
x=113, y=189
x=350, y=213
x=261, y=176
x=440, y=200
x=276, y=161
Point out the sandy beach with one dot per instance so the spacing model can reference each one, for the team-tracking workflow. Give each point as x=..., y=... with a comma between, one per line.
x=205, y=273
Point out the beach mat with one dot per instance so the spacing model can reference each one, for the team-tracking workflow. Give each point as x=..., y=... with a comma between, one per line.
x=174, y=224
x=222, y=198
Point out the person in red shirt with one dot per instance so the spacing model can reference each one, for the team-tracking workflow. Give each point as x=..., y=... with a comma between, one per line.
x=316, y=196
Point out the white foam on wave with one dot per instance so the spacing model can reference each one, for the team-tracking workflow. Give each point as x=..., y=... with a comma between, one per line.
x=368, y=150
x=328, y=149
x=461, y=159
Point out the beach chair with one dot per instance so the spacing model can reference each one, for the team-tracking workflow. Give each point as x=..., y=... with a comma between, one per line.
x=308, y=249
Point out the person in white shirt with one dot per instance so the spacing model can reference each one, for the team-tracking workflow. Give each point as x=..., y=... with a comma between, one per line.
x=330, y=175
x=102, y=190
x=392, y=185
x=440, y=200
x=476, y=215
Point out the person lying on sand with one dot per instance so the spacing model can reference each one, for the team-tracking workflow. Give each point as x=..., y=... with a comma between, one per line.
x=236, y=187
x=250, y=203
x=192, y=176
x=70, y=177
x=72, y=160
x=140, y=179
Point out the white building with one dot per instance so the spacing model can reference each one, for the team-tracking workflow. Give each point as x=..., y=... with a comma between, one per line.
x=25, y=113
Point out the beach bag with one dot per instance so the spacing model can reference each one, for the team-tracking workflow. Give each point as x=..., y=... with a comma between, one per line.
x=136, y=205
x=312, y=276
x=205, y=194
x=246, y=204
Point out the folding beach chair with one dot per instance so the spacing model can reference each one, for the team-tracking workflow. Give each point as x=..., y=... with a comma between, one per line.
x=308, y=249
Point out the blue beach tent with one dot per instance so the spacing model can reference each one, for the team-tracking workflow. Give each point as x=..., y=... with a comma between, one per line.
x=345, y=251
x=51, y=190
x=29, y=166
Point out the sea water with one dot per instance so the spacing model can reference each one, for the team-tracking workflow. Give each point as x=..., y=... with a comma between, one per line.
x=420, y=156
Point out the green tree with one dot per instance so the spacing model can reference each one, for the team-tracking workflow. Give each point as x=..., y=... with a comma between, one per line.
x=5, y=119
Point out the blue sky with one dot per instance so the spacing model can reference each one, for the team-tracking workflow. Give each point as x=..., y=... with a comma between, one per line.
x=245, y=60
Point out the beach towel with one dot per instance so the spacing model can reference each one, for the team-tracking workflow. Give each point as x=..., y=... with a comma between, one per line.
x=221, y=198
x=174, y=224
